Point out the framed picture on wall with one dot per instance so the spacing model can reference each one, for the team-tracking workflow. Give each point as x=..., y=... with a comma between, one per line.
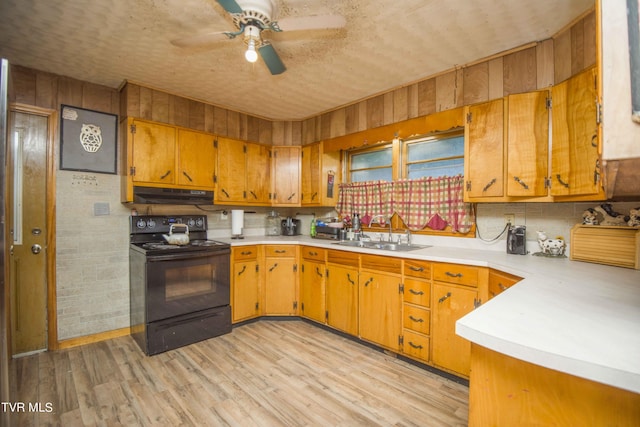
x=88, y=140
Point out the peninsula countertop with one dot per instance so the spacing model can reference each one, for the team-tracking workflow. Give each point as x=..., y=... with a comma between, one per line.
x=575, y=317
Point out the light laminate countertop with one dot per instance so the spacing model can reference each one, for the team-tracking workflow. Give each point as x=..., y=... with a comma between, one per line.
x=575, y=317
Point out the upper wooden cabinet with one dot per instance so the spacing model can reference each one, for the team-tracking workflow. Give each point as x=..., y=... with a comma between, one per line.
x=162, y=155
x=575, y=161
x=527, y=144
x=484, y=151
x=243, y=172
x=320, y=176
x=286, y=176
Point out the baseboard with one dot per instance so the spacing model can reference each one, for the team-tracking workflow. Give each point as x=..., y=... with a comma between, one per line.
x=89, y=339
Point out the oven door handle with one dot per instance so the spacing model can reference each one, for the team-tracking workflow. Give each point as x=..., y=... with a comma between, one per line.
x=188, y=255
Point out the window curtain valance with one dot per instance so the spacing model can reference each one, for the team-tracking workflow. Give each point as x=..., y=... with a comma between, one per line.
x=431, y=201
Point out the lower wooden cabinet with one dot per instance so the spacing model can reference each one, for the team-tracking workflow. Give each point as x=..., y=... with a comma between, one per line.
x=245, y=283
x=281, y=280
x=342, y=291
x=312, y=290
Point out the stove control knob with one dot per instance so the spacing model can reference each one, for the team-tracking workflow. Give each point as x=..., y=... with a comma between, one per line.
x=199, y=222
x=191, y=222
x=141, y=223
x=151, y=223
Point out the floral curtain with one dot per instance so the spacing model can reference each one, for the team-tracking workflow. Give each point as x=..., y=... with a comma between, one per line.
x=432, y=201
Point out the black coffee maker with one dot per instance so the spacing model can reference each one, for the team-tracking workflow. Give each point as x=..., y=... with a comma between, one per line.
x=517, y=240
x=290, y=227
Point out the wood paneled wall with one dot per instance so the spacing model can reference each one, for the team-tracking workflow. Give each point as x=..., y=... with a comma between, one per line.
x=48, y=90
x=535, y=66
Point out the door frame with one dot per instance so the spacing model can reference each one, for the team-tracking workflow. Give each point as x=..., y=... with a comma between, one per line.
x=50, y=191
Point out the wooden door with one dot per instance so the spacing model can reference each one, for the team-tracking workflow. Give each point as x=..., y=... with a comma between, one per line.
x=196, y=159
x=527, y=144
x=450, y=303
x=312, y=291
x=246, y=290
x=153, y=153
x=280, y=286
x=342, y=298
x=380, y=308
x=286, y=176
x=310, y=158
x=231, y=171
x=575, y=168
x=484, y=150
x=27, y=214
x=258, y=174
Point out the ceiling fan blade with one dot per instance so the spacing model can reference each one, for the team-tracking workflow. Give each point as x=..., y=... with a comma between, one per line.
x=201, y=40
x=271, y=58
x=317, y=22
x=230, y=6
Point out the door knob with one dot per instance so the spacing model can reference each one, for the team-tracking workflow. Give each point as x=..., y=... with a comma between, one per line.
x=36, y=249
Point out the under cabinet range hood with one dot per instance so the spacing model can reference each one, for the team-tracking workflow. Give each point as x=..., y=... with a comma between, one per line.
x=171, y=196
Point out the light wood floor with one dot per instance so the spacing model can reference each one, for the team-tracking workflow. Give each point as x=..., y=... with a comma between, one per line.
x=266, y=373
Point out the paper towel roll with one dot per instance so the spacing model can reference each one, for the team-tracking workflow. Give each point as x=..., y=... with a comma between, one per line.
x=237, y=222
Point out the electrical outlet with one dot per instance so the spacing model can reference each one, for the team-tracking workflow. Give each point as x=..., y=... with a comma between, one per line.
x=223, y=215
x=510, y=219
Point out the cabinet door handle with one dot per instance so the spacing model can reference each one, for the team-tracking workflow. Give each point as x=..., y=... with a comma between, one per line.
x=368, y=281
x=291, y=196
x=416, y=292
x=313, y=253
x=521, y=182
x=458, y=275
x=273, y=266
x=350, y=279
x=225, y=192
x=564, y=184
x=418, y=346
x=253, y=194
x=502, y=287
x=187, y=175
x=244, y=267
x=486, y=187
x=165, y=175
x=313, y=196
x=416, y=319
x=280, y=251
x=412, y=268
x=246, y=253
x=448, y=295
x=318, y=271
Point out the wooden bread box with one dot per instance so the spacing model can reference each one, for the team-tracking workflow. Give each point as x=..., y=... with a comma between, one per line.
x=602, y=244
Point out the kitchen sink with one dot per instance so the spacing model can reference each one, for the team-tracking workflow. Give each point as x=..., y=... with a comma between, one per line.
x=385, y=246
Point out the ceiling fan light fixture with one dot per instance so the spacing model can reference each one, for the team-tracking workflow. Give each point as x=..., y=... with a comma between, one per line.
x=251, y=55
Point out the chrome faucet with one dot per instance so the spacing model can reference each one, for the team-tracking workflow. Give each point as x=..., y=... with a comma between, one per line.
x=408, y=237
x=390, y=232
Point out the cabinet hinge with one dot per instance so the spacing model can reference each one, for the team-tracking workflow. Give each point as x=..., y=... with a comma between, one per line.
x=244, y=149
x=132, y=171
x=132, y=128
x=468, y=185
x=401, y=288
x=326, y=273
x=598, y=113
x=295, y=268
x=326, y=315
x=477, y=302
x=302, y=268
x=549, y=103
x=547, y=182
x=295, y=305
x=244, y=194
x=302, y=307
x=257, y=268
x=214, y=178
x=400, y=340
x=215, y=143
x=257, y=306
x=469, y=117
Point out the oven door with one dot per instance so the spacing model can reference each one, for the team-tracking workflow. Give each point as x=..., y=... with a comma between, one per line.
x=186, y=283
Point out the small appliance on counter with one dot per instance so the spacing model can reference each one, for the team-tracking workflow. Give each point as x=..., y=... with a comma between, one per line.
x=327, y=232
x=272, y=224
x=517, y=240
x=290, y=227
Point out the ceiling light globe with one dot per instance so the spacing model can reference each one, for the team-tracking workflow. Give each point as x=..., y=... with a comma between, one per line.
x=251, y=55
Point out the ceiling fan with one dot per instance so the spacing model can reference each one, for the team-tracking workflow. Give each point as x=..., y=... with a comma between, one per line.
x=251, y=18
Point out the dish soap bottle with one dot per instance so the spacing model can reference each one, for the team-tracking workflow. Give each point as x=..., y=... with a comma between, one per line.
x=313, y=227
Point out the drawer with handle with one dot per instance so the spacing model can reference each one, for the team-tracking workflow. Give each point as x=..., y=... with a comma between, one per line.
x=456, y=273
x=415, y=268
x=417, y=292
x=312, y=253
x=240, y=253
x=280, y=251
x=417, y=319
x=415, y=345
x=500, y=282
